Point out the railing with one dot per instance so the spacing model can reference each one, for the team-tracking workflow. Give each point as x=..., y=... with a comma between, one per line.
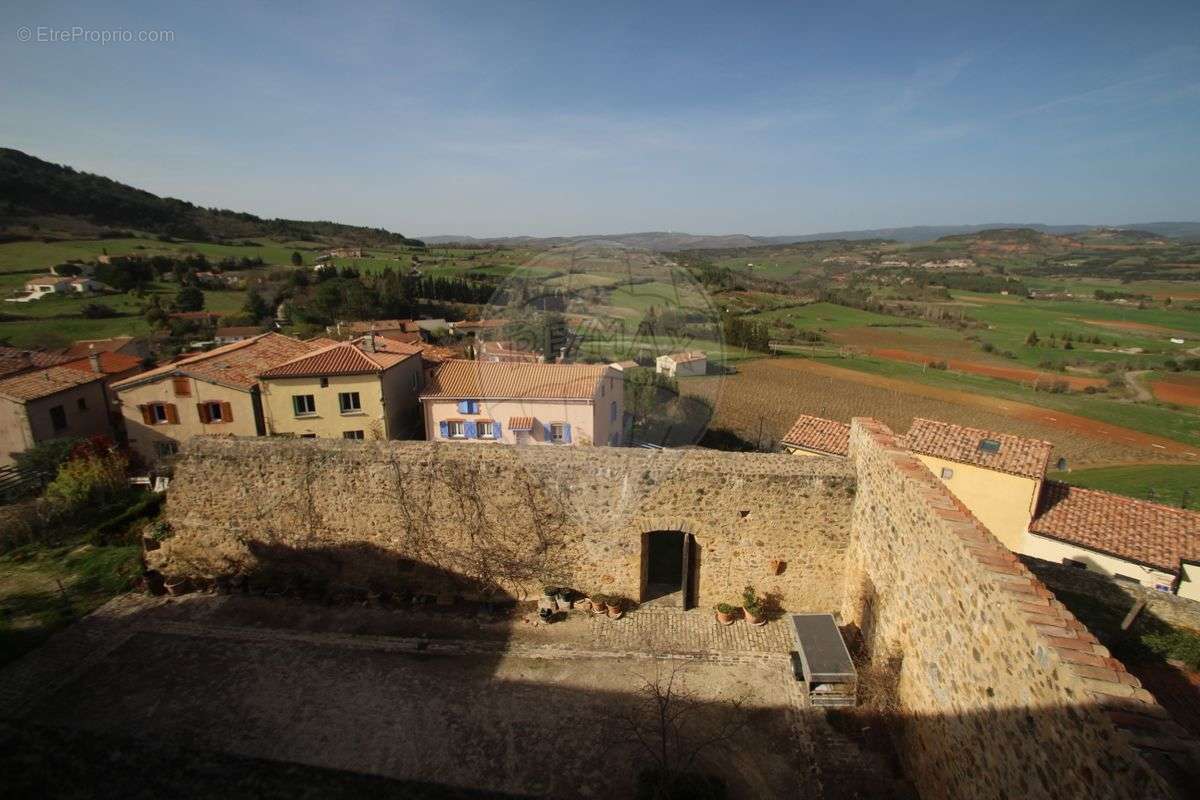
x=16, y=483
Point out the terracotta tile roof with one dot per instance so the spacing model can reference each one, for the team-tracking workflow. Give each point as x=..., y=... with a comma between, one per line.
x=343, y=358
x=1006, y=453
x=236, y=365
x=44, y=382
x=520, y=423
x=366, y=326
x=14, y=360
x=1137, y=530
x=85, y=346
x=817, y=433
x=485, y=380
x=110, y=363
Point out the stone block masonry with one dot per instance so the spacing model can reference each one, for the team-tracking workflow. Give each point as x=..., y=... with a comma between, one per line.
x=1001, y=692
x=477, y=521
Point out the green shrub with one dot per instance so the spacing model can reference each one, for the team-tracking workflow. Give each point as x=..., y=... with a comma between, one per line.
x=94, y=479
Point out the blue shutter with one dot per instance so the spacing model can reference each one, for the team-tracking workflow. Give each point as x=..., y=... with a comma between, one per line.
x=495, y=430
x=464, y=406
x=473, y=406
x=567, y=432
x=444, y=426
x=469, y=427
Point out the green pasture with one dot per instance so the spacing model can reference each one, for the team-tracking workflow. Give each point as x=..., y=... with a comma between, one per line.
x=1161, y=483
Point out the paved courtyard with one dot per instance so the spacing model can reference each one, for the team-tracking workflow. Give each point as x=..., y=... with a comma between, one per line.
x=450, y=699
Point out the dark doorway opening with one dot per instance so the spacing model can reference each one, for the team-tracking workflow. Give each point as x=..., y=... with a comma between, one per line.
x=669, y=568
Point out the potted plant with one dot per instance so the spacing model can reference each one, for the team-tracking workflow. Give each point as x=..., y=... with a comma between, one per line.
x=725, y=613
x=599, y=604
x=616, y=607
x=753, y=606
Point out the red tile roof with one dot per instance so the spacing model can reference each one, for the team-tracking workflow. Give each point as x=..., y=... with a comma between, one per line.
x=14, y=360
x=236, y=365
x=485, y=380
x=110, y=363
x=1014, y=454
x=44, y=382
x=343, y=358
x=84, y=347
x=520, y=423
x=817, y=433
x=1136, y=530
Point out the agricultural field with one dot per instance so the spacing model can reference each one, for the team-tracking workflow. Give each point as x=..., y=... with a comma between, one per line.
x=765, y=395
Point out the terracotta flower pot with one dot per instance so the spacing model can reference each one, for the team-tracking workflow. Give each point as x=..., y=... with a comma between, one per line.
x=615, y=612
x=725, y=619
x=755, y=619
x=599, y=607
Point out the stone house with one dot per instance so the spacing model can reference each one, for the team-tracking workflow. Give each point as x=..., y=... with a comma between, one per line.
x=679, y=365
x=212, y=393
x=363, y=389
x=51, y=403
x=522, y=403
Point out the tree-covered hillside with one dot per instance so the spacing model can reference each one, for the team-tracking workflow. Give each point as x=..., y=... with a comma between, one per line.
x=37, y=196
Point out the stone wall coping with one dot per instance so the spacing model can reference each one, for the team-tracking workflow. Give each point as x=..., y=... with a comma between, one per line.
x=1130, y=708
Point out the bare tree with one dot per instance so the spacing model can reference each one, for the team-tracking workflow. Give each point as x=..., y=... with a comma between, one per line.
x=674, y=727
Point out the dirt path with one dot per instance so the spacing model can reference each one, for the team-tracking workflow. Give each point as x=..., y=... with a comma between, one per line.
x=1060, y=419
x=1140, y=392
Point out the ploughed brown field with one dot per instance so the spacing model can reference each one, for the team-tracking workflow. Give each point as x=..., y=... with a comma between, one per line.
x=1181, y=389
x=767, y=394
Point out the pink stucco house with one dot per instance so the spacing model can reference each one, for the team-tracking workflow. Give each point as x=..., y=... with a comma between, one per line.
x=524, y=404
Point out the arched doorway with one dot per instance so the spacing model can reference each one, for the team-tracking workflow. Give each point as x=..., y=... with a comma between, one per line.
x=669, y=568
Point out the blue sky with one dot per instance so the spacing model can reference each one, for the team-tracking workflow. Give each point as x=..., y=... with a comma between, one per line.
x=496, y=118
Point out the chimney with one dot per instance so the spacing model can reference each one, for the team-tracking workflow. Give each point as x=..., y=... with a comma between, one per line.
x=369, y=342
x=94, y=358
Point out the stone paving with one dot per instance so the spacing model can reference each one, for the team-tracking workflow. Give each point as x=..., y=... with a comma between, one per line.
x=343, y=687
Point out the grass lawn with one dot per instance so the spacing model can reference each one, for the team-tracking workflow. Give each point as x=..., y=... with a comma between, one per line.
x=1163, y=484
x=43, y=589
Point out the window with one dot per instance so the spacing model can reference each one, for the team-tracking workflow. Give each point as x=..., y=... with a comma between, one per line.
x=304, y=404
x=58, y=418
x=324, y=383
x=468, y=406
x=558, y=432
x=166, y=448
x=352, y=434
x=486, y=430
x=612, y=411
x=947, y=473
x=158, y=414
x=989, y=446
x=81, y=403
x=456, y=429
x=416, y=381
x=183, y=387
x=213, y=412
x=308, y=436
x=348, y=402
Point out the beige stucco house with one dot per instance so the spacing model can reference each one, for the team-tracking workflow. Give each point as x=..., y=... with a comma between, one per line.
x=364, y=389
x=680, y=365
x=1131, y=540
x=524, y=404
x=996, y=475
x=210, y=393
x=51, y=403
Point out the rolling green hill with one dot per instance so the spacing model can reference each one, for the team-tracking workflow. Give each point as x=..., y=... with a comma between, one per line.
x=49, y=201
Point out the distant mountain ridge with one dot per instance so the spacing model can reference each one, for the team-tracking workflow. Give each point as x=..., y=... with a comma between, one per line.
x=37, y=197
x=670, y=240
